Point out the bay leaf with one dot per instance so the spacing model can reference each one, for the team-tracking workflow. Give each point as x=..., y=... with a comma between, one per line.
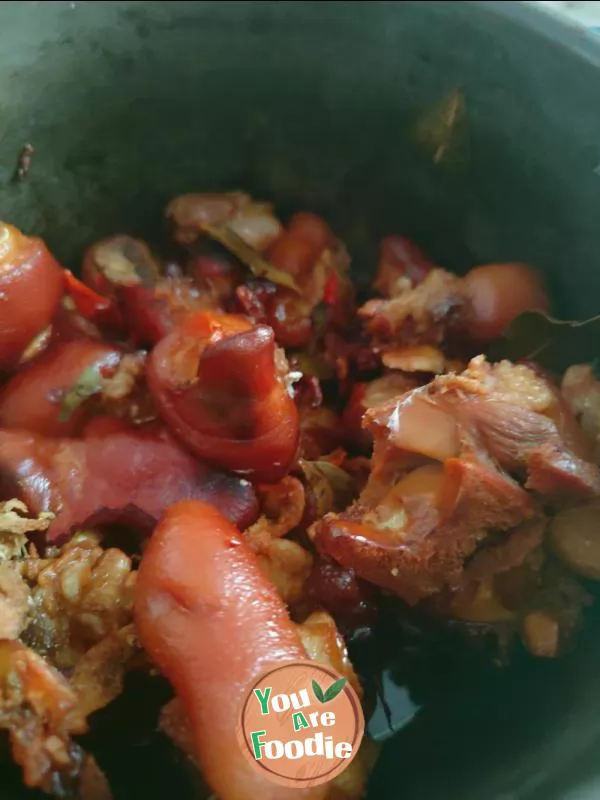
x=552, y=343
x=251, y=258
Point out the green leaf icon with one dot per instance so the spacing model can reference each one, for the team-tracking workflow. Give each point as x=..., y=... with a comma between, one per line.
x=318, y=692
x=334, y=689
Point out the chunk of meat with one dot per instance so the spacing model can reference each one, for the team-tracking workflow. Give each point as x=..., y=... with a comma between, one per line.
x=220, y=384
x=420, y=315
x=368, y=395
x=402, y=265
x=212, y=622
x=252, y=221
x=129, y=476
x=505, y=411
x=31, y=286
x=424, y=304
x=499, y=580
x=322, y=644
x=415, y=540
x=497, y=294
x=152, y=312
x=117, y=262
x=48, y=396
x=417, y=520
x=309, y=252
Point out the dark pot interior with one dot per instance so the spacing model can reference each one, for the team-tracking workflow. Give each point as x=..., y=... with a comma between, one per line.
x=314, y=105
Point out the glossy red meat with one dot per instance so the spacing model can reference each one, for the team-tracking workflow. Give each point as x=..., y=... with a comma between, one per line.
x=34, y=398
x=216, y=383
x=129, y=476
x=31, y=285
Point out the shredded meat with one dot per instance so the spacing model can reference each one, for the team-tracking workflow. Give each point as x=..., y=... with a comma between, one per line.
x=287, y=565
x=78, y=598
x=504, y=411
x=14, y=601
x=15, y=525
x=40, y=712
x=283, y=561
x=446, y=463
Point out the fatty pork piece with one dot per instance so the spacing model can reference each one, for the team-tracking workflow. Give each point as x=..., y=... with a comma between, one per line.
x=128, y=476
x=454, y=461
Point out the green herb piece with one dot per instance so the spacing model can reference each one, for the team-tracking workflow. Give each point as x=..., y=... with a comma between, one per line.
x=88, y=384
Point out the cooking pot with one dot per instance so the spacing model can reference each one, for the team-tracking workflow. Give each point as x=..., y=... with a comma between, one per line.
x=323, y=106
